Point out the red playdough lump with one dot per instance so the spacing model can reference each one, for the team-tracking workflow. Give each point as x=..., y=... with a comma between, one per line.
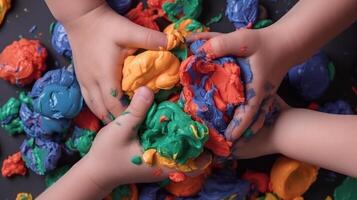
x=157, y=5
x=22, y=62
x=87, y=120
x=13, y=165
x=144, y=17
x=258, y=179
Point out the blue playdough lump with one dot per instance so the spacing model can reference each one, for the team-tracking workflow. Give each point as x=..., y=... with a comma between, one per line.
x=120, y=6
x=338, y=107
x=57, y=95
x=60, y=41
x=41, y=156
x=38, y=126
x=242, y=12
x=311, y=78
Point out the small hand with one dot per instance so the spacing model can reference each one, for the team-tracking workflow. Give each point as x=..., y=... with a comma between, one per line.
x=101, y=40
x=262, y=69
x=263, y=143
x=109, y=159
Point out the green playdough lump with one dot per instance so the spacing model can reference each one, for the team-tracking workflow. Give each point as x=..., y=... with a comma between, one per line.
x=55, y=175
x=262, y=23
x=331, y=70
x=80, y=141
x=121, y=192
x=137, y=160
x=9, y=114
x=214, y=19
x=163, y=95
x=173, y=133
x=347, y=190
x=183, y=9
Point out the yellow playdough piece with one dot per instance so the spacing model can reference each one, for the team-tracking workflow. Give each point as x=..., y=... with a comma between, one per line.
x=291, y=178
x=151, y=158
x=5, y=5
x=182, y=28
x=23, y=196
x=153, y=69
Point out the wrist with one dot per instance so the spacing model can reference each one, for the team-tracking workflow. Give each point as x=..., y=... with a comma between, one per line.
x=64, y=13
x=95, y=176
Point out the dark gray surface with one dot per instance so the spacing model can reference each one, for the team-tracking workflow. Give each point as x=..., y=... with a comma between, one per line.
x=26, y=13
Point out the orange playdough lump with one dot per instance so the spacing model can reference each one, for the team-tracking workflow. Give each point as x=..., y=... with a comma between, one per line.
x=13, y=165
x=22, y=62
x=5, y=5
x=291, y=178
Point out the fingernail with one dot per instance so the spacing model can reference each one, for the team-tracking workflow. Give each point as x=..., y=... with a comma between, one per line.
x=145, y=94
x=207, y=49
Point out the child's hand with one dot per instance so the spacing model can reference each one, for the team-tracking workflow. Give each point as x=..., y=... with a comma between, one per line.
x=266, y=63
x=101, y=40
x=263, y=143
x=109, y=159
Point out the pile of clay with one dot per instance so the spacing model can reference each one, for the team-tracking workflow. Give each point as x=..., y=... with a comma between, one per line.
x=195, y=98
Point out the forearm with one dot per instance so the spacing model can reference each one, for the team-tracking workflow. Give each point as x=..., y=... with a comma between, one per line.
x=326, y=140
x=309, y=25
x=65, y=10
x=75, y=184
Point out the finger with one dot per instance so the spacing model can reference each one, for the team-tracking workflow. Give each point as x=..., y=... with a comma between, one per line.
x=237, y=43
x=96, y=104
x=243, y=117
x=131, y=118
x=111, y=95
x=259, y=119
x=201, y=36
x=136, y=36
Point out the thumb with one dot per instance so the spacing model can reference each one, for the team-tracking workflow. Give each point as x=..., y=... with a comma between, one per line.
x=131, y=118
x=238, y=43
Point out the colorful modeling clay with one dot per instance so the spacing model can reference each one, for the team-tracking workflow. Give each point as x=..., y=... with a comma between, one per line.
x=291, y=178
x=311, y=78
x=157, y=5
x=39, y=126
x=337, y=107
x=56, y=174
x=242, y=13
x=80, y=141
x=57, y=94
x=120, y=6
x=268, y=196
x=223, y=185
x=211, y=91
x=60, y=41
x=262, y=23
x=87, y=120
x=154, y=69
x=186, y=27
x=13, y=165
x=23, y=196
x=5, y=5
x=152, y=158
x=124, y=192
x=191, y=186
x=144, y=17
x=9, y=115
x=22, y=62
x=172, y=133
x=188, y=9
x=259, y=180
x=40, y=156
x=347, y=190
x=151, y=191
